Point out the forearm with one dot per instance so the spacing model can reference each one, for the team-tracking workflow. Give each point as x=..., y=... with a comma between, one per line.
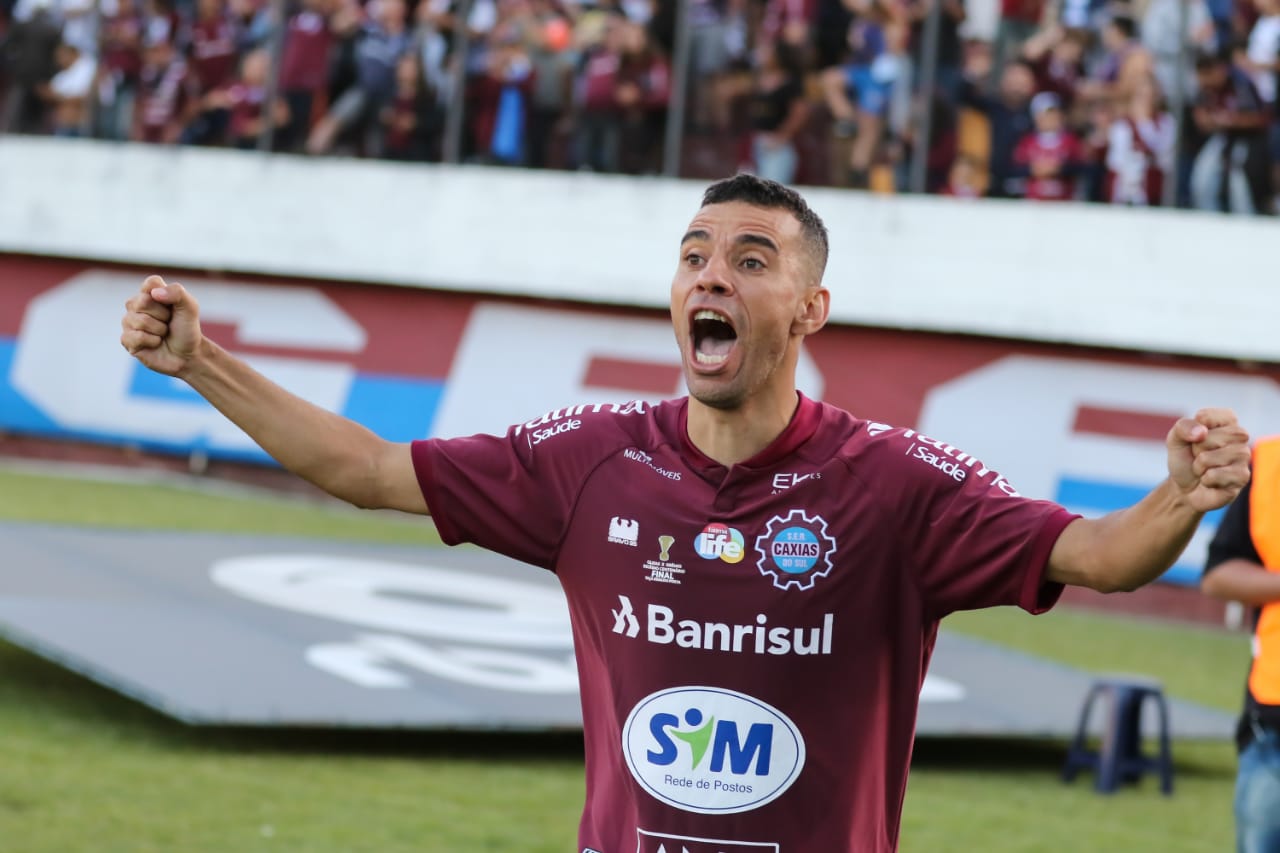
x=336, y=454
x=1127, y=548
x=1242, y=580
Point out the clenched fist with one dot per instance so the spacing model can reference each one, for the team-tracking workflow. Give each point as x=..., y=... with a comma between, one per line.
x=161, y=326
x=1209, y=458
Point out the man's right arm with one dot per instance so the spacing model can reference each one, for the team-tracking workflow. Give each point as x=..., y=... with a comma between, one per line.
x=161, y=328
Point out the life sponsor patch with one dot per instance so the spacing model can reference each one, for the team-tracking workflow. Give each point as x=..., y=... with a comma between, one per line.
x=795, y=550
x=720, y=542
x=711, y=750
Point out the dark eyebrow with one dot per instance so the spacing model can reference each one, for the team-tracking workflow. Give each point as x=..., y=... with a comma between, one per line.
x=745, y=239
x=757, y=240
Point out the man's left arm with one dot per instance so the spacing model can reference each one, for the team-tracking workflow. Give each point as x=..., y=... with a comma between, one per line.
x=1208, y=466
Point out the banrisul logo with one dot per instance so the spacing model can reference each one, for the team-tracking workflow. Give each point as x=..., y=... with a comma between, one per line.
x=711, y=750
x=795, y=550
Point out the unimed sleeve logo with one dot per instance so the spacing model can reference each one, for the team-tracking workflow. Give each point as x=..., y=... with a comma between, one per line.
x=711, y=750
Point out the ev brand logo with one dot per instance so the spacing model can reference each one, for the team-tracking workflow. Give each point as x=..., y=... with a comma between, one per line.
x=710, y=750
x=659, y=842
x=624, y=531
x=782, y=482
x=624, y=619
x=795, y=550
x=718, y=542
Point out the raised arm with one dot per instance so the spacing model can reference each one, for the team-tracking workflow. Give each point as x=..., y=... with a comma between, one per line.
x=161, y=328
x=1208, y=466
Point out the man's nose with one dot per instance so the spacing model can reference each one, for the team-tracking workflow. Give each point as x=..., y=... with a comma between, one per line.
x=714, y=277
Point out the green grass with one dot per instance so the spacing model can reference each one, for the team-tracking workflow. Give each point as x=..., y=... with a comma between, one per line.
x=82, y=769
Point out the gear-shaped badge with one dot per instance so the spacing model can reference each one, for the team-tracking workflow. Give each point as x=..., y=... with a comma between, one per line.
x=795, y=550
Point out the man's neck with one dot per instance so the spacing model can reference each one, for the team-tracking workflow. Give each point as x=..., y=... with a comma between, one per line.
x=730, y=436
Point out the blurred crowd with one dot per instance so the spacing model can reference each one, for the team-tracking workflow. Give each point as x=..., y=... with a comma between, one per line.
x=1143, y=102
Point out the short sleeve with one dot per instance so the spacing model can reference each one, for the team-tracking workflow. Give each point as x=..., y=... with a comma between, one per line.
x=512, y=494
x=972, y=539
x=1233, y=541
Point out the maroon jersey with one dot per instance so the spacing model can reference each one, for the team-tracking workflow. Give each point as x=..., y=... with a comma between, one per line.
x=305, y=66
x=214, y=52
x=752, y=640
x=1062, y=148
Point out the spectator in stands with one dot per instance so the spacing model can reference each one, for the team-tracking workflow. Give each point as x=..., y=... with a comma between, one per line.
x=1019, y=20
x=214, y=50
x=599, y=129
x=1009, y=116
x=28, y=54
x=1162, y=36
x=245, y=100
x=382, y=41
x=1140, y=149
x=120, y=62
x=304, y=67
x=777, y=110
x=1124, y=61
x=1263, y=63
x=167, y=93
x=548, y=38
x=858, y=93
x=949, y=76
x=412, y=121
x=964, y=180
x=68, y=92
x=1056, y=57
x=498, y=99
x=642, y=94
x=1050, y=157
x=1231, y=169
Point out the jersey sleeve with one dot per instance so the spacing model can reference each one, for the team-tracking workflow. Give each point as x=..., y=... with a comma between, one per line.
x=1233, y=540
x=514, y=493
x=972, y=540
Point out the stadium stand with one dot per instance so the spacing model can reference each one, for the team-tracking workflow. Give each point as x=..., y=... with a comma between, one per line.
x=1124, y=103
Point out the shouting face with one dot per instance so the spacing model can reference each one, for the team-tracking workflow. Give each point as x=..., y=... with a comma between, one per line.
x=745, y=293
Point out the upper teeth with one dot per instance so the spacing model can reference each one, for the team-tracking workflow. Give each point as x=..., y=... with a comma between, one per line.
x=707, y=314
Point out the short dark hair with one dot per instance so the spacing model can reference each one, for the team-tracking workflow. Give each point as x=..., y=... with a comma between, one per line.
x=1127, y=26
x=762, y=192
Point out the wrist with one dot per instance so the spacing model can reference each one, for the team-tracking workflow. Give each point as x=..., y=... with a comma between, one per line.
x=204, y=354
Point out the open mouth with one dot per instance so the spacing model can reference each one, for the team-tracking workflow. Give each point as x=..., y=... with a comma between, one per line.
x=713, y=337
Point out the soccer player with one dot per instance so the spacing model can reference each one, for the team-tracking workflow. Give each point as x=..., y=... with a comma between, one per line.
x=754, y=578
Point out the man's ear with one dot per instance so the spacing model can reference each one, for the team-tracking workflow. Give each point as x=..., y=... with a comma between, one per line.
x=813, y=311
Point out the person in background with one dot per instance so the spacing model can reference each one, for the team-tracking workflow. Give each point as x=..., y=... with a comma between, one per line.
x=27, y=53
x=68, y=91
x=245, y=99
x=1050, y=156
x=411, y=122
x=167, y=94
x=1243, y=565
x=777, y=110
x=964, y=179
x=120, y=38
x=1140, y=149
x=304, y=67
x=1009, y=115
x=1231, y=170
x=598, y=123
x=383, y=40
x=1162, y=26
x=1124, y=61
x=1263, y=62
x=642, y=93
x=869, y=73
x=214, y=51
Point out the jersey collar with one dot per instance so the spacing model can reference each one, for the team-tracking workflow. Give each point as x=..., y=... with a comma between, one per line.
x=804, y=423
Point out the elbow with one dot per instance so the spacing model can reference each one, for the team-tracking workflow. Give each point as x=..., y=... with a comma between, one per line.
x=1108, y=584
x=1211, y=586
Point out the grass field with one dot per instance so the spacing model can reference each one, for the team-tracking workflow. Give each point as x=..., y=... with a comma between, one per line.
x=82, y=769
